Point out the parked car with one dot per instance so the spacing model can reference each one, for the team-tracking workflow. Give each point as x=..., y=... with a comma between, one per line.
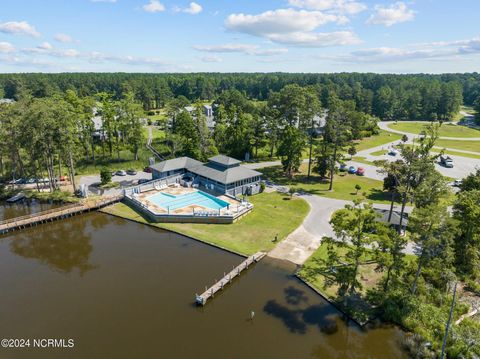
x=31, y=180
x=143, y=180
x=131, y=172
x=446, y=161
x=121, y=173
x=147, y=170
x=360, y=171
x=352, y=170
x=457, y=183
x=393, y=152
x=343, y=167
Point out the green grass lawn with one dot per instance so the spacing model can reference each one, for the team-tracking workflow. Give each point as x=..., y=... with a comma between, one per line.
x=362, y=160
x=446, y=130
x=344, y=184
x=125, y=162
x=382, y=138
x=455, y=153
x=473, y=146
x=315, y=273
x=379, y=153
x=273, y=214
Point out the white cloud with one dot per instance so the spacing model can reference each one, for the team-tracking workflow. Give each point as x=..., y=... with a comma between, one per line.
x=211, y=59
x=45, y=46
x=390, y=15
x=280, y=21
x=192, y=9
x=65, y=53
x=317, y=39
x=6, y=47
x=434, y=50
x=240, y=48
x=64, y=38
x=18, y=28
x=153, y=6
x=340, y=6
x=293, y=27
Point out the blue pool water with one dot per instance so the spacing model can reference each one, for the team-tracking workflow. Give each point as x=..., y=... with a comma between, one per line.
x=200, y=198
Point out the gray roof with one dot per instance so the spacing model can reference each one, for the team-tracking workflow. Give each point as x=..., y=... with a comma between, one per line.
x=210, y=170
x=224, y=160
x=224, y=175
x=176, y=164
x=395, y=220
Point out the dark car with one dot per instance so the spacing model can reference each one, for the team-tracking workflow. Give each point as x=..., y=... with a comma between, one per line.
x=147, y=170
x=131, y=172
x=143, y=180
x=352, y=170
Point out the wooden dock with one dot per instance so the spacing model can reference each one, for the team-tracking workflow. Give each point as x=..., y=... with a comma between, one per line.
x=51, y=215
x=227, y=278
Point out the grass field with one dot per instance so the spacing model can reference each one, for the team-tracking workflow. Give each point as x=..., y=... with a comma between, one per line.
x=446, y=130
x=382, y=138
x=378, y=153
x=315, y=273
x=114, y=164
x=344, y=184
x=473, y=146
x=273, y=214
x=455, y=153
x=362, y=160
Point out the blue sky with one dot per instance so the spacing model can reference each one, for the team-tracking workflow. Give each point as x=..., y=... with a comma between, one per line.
x=240, y=36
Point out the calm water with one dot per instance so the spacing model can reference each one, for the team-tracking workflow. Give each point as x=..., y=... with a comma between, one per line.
x=124, y=290
x=22, y=208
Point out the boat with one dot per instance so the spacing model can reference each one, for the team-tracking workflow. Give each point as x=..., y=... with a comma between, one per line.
x=19, y=196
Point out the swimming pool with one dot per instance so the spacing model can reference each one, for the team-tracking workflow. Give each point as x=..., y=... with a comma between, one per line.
x=172, y=202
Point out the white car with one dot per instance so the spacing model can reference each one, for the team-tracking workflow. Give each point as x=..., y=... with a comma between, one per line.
x=457, y=183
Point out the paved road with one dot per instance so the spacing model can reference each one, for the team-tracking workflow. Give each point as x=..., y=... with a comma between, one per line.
x=463, y=166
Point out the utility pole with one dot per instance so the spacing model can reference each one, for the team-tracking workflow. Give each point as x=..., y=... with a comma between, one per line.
x=448, y=322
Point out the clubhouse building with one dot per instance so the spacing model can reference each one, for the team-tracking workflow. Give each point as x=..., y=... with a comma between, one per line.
x=221, y=174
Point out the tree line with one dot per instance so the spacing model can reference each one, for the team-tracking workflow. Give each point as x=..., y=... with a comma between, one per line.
x=401, y=97
x=47, y=136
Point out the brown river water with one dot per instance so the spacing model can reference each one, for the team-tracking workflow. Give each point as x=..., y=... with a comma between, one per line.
x=120, y=289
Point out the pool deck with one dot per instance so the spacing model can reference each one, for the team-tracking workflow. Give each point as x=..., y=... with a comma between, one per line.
x=178, y=191
x=139, y=197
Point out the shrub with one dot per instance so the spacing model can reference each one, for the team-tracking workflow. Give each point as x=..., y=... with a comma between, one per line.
x=262, y=187
x=105, y=175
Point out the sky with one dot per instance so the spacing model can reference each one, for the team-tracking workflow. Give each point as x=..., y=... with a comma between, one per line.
x=431, y=36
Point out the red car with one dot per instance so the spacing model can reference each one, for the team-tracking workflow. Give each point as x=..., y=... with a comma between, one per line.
x=147, y=170
x=360, y=171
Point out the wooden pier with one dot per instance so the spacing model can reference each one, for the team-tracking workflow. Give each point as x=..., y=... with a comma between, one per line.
x=227, y=278
x=51, y=215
